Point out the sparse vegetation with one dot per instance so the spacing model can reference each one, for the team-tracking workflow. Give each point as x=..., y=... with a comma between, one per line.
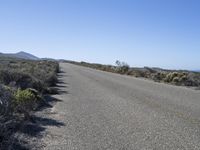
x=22, y=86
x=28, y=74
x=176, y=77
x=7, y=119
x=25, y=101
x=122, y=67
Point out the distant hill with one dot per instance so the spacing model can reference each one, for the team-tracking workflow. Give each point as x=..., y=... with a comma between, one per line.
x=49, y=59
x=22, y=55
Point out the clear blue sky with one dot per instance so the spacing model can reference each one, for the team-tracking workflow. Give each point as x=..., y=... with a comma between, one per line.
x=161, y=33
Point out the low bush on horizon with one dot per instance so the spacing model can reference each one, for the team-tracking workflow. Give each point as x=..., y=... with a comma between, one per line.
x=180, y=78
x=122, y=67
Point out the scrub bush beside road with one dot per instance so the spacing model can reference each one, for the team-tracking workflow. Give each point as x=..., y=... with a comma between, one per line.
x=175, y=77
x=23, y=84
x=29, y=74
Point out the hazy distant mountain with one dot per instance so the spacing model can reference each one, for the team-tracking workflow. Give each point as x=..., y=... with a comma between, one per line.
x=22, y=55
x=50, y=59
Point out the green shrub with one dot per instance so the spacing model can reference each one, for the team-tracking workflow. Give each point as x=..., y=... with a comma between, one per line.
x=24, y=96
x=25, y=101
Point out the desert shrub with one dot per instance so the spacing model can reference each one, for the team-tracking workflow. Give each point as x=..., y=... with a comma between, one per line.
x=6, y=116
x=159, y=76
x=51, y=80
x=182, y=78
x=19, y=80
x=193, y=79
x=176, y=80
x=29, y=74
x=169, y=77
x=52, y=90
x=5, y=77
x=25, y=101
x=123, y=67
x=175, y=77
x=22, y=86
x=136, y=73
x=130, y=72
x=23, y=97
x=12, y=104
x=6, y=98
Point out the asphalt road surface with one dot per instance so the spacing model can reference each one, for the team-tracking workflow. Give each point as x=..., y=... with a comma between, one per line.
x=106, y=111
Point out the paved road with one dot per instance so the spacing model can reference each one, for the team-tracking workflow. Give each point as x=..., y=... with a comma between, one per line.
x=108, y=111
